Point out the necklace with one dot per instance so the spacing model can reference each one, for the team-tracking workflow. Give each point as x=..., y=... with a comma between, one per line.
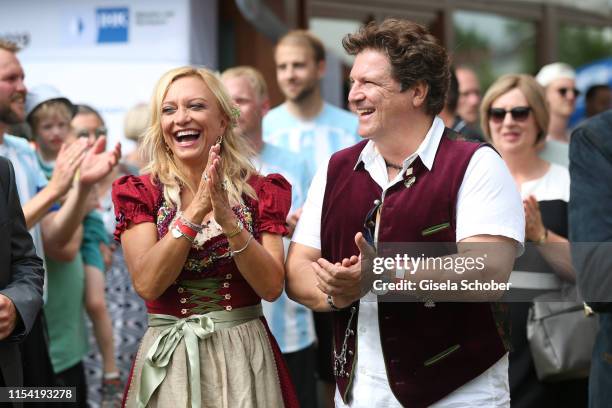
x=393, y=166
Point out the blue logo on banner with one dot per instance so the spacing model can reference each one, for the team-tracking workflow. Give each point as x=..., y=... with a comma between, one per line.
x=112, y=24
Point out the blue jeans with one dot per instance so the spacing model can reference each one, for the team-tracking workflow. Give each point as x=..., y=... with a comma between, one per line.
x=600, y=381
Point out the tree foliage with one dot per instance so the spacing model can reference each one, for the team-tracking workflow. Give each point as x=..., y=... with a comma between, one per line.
x=581, y=45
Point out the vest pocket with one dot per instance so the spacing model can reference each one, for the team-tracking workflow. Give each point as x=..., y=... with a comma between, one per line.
x=442, y=355
x=435, y=228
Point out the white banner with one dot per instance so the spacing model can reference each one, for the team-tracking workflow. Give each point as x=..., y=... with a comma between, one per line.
x=109, y=53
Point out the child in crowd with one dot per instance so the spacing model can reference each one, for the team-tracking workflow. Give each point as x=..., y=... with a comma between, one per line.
x=80, y=280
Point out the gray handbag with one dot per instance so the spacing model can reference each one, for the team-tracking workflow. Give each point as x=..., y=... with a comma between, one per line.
x=561, y=338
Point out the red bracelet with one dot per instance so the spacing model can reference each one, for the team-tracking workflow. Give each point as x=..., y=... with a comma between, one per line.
x=185, y=229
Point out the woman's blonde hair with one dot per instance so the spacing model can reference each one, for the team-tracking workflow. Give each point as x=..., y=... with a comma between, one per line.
x=235, y=151
x=533, y=92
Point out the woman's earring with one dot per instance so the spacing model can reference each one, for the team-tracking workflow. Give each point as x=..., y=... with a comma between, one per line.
x=168, y=150
x=219, y=140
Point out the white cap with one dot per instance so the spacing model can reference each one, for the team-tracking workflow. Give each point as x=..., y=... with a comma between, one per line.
x=45, y=93
x=553, y=71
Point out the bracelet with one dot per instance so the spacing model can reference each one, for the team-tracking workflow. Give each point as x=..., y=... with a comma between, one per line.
x=178, y=232
x=185, y=221
x=185, y=229
x=331, y=304
x=236, y=252
x=543, y=238
x=238, y=230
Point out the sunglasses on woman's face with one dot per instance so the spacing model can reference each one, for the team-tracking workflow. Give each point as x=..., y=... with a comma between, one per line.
x=563, y=91
x=519, y=114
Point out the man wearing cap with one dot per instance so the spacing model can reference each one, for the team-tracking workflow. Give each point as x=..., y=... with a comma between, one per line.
x=53, y=229
x=559, y=82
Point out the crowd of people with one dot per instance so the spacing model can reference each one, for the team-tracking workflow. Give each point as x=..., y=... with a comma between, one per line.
x=226, y=261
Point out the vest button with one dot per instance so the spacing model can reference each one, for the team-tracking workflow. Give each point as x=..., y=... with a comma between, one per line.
x=226, y=284
x=180, y=290
x=183, y=300
x=228, y=276
x=183, y=311
x=228, y=308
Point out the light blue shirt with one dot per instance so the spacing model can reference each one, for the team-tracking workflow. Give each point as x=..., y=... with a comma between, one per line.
x=291, y=323
x=29, y=179
x=317, y=139
x=293, y=166
x=28, y=176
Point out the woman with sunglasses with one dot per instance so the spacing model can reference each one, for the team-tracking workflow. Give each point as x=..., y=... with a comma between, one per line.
x=201, y=233
x=514, y=117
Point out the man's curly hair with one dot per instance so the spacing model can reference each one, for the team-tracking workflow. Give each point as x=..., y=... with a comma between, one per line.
x=414, y=54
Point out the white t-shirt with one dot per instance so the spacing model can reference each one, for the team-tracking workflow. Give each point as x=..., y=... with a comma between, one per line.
x=554, y=185
x=489, y=203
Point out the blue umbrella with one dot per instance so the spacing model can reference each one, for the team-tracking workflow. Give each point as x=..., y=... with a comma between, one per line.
x=595, y=73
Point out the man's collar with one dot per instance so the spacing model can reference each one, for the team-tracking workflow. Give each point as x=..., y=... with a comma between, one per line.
x=426, y=150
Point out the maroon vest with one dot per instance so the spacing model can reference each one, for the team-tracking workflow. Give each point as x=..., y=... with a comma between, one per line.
x=413, y=337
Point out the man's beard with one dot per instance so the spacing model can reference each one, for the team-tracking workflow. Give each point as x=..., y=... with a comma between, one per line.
x=9, y=116
x=305, y=93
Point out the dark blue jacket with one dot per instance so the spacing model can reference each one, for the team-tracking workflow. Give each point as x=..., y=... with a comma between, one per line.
x=590, y=208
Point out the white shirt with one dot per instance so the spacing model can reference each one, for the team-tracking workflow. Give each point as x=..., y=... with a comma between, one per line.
x=488, y=202
x=554, y=185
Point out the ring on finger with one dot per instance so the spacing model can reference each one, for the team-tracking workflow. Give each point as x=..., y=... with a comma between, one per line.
x=205, y=177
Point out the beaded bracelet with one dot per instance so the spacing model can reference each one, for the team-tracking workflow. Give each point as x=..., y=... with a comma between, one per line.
x=194, y=226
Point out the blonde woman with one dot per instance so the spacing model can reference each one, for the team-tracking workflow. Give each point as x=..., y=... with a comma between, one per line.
x=514, y=117
x=201, y=233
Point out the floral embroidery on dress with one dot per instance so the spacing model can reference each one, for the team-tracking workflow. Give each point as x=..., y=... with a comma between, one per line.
x=210, y=248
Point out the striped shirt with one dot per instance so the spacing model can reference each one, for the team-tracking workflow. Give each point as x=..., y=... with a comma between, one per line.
x=331, y=130
x=291, y=323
